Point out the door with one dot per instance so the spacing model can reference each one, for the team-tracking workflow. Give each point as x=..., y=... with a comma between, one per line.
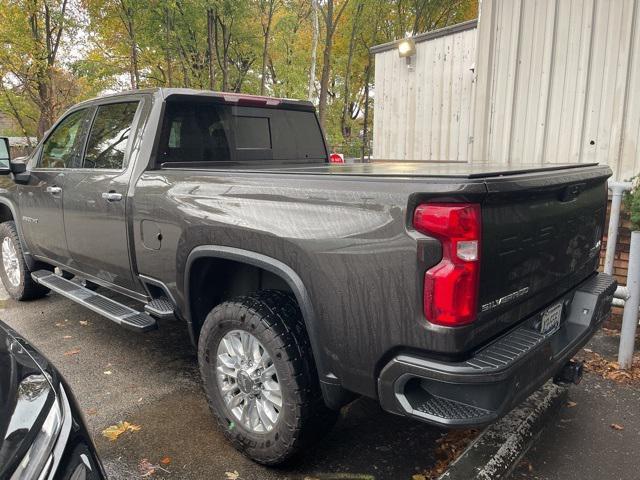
x=95, y=208
x=40, y=200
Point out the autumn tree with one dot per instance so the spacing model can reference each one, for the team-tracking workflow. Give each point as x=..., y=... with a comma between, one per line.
x=32, y=34
x=55, y=52
x=331, y=13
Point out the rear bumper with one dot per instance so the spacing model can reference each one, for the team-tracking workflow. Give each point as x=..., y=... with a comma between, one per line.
x=502, y=374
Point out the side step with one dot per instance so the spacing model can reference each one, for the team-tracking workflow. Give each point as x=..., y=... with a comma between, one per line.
x=160, y=307
x=117, y=312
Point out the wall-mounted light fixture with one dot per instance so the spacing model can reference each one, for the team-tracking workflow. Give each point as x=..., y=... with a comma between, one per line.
x=407, y=50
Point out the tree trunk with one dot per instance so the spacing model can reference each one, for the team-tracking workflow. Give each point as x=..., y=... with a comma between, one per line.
x=46, y=115
x=135, y=74
x=167, y=41
x=127, y=19
x=330, y=23
x=223, y=60
x=265, y=47
x=210, y=46
x=346, y=132
x=314, y=49
x=326, y=64
x=44, y=77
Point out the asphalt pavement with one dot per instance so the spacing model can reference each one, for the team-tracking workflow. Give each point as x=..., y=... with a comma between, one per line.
x=596, y=435
x=152, y=380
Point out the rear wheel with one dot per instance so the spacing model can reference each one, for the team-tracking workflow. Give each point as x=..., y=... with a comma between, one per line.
x=260, y=378
x=15, y=274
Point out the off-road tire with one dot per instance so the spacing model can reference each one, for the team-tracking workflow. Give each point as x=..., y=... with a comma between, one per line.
x=274, y=318
x=27, y=288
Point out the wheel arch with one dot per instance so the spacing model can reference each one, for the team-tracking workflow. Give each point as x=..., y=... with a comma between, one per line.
x=333, y=393
x=9, y=212
x=246, y=257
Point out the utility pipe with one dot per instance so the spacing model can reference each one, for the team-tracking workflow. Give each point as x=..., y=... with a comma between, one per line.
x=621, y=293
x=617, y=190
x=630, y=316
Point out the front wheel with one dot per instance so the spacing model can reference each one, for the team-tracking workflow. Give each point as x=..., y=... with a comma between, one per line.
x=15, y=274
x=260, y=378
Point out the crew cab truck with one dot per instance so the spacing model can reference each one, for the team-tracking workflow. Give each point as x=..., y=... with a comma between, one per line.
x=448, y=292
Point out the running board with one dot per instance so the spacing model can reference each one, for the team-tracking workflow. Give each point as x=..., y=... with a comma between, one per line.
x=121, y=314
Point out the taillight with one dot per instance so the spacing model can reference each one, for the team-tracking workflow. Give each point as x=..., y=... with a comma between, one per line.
x=336, y=158
x=451, y=286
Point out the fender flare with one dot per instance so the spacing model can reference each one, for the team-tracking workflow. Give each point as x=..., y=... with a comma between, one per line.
x=276, y=267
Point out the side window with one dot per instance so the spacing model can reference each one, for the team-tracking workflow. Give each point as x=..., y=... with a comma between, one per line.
x=174, y=133
x=109, y=136
x=194, y=132
x=60, y=148
x=4, y=153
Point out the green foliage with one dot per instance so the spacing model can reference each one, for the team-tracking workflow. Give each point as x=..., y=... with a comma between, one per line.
x=113, y=45
x=632, y=203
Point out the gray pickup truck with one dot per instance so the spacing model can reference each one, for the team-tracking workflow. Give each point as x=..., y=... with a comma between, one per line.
x=448, y=292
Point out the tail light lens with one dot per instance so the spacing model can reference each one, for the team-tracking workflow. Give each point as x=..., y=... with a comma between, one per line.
x=336, y=158
x=451, y=286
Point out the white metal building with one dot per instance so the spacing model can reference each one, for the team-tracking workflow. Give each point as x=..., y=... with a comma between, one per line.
x=544, y=81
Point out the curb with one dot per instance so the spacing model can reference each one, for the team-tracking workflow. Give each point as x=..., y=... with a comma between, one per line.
x=499, y=448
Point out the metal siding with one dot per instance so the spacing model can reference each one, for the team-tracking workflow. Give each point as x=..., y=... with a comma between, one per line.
x=424, y=113
x=567, y=95
x=554, y=82
x=629, y=157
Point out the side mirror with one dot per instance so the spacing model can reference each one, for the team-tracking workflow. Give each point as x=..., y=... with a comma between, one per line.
x=5, y=156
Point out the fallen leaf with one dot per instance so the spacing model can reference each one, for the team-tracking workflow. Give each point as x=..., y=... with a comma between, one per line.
x=449, y=447
x=616, y=426
x=67, y=337
x=75, y=351
x=114, y=431
x=146, y=468
x=84, y=323
x=418, y=476
x=571, y=404
x=610, y=370
x=232, y=475
x=107, y=372
x=59, y=324
x=165, y=460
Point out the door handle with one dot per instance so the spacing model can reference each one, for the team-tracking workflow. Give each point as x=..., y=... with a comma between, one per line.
x=53, y=190
x=112, y=196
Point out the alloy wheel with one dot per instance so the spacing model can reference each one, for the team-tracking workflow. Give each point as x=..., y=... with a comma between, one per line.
x=248, y=381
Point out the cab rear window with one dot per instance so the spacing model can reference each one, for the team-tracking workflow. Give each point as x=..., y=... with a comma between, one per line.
x=209, y=133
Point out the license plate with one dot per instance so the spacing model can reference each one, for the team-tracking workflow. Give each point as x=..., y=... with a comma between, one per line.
x=550, y=320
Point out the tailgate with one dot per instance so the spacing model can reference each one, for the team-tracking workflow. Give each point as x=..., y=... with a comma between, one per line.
x=541, y=235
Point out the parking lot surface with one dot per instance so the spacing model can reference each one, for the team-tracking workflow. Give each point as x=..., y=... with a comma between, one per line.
x=152, y=380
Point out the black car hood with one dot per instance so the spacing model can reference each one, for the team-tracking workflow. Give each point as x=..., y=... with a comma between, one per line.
x=26, y=392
